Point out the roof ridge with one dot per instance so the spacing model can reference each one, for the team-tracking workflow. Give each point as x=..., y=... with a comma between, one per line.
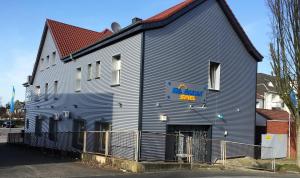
x=47, y=20
x=172, y=9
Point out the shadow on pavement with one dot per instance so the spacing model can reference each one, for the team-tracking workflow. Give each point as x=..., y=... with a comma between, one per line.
x=14, y=155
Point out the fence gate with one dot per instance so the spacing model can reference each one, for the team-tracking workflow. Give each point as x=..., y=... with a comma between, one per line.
x=188, y=143
x=201, y=147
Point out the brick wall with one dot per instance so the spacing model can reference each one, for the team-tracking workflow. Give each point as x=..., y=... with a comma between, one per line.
x=282, y=127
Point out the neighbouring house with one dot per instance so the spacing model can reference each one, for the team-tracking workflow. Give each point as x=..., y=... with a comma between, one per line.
x=189, y=69
x=266, y=96
x=276, y=122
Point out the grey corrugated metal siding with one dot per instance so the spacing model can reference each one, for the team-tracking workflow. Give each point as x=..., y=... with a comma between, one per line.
x=97, y=99
x=181, y=51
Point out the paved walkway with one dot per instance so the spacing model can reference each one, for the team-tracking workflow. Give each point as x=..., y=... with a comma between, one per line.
x=17, y=162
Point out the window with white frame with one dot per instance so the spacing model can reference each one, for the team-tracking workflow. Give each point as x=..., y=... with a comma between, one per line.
x=53, y=58
x=116, y=69
x=98, y=69
x=46, y=91
x=214, y=76
x=47, y=61
x=89, y=74
x=78, y=79
x=55, y=89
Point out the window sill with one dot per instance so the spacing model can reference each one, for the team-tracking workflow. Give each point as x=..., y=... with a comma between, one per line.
x=89, y=79
x=53, y=64
x=77, y=91
x=97, y=77
x=214, y=90
x=115, y=85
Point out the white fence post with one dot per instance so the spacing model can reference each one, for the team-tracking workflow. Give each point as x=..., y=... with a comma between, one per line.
x=106, y=143
x=84, y=141
x=137, y=146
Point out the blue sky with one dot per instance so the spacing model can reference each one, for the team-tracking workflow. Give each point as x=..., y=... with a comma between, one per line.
x=22, y=23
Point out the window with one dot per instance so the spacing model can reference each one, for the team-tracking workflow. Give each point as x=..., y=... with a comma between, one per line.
x=100, y=137
x=214, y=76
x=52, y=129
x=55, y=89
x=98, y=69
x=116, y=69
x=47, y=61
x=46, y=91
x=78, y=132
x=38, y=126
x=78, y=79
x=37, y=92
x=53, y=60
x=42, y=64
x=89, y=72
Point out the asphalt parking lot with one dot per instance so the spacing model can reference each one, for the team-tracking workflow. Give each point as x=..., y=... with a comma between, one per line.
x=19, y=161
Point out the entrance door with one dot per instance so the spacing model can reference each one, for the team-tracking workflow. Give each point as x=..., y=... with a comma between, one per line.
x=183, y=139
x=78, y=133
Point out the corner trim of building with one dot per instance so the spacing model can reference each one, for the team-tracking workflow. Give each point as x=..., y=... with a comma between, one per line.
x=141, y=88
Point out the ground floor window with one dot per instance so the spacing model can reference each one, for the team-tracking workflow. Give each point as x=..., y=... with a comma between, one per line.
x=78, y=133
x=38, y=126
x=52, y=129
x=100, y=137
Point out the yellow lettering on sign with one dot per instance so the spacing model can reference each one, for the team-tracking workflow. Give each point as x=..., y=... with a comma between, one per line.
x=268, y=137
x=187, y=97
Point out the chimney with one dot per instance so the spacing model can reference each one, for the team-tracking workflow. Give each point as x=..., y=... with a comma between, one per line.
x=136, y=20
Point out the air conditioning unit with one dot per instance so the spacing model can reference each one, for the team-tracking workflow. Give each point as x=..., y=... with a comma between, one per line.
x=66, y=114
x=56, y=116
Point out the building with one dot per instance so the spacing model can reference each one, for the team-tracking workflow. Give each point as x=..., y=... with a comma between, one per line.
x=267, y=97
x=277, y=122
x=133, y=79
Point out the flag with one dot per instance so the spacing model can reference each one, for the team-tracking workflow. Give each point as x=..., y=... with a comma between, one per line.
x=12, y=102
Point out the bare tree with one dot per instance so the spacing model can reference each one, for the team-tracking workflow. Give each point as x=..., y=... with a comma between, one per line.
x=285, y=55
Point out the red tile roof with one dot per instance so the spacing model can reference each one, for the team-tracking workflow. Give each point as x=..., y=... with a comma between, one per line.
x=69, y=38
x=169, y=12
x=273, y=114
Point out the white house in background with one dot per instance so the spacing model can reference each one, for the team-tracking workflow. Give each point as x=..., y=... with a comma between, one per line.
x=266, y=95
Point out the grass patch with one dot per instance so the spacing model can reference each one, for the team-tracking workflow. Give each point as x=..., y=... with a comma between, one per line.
x=287, y=167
